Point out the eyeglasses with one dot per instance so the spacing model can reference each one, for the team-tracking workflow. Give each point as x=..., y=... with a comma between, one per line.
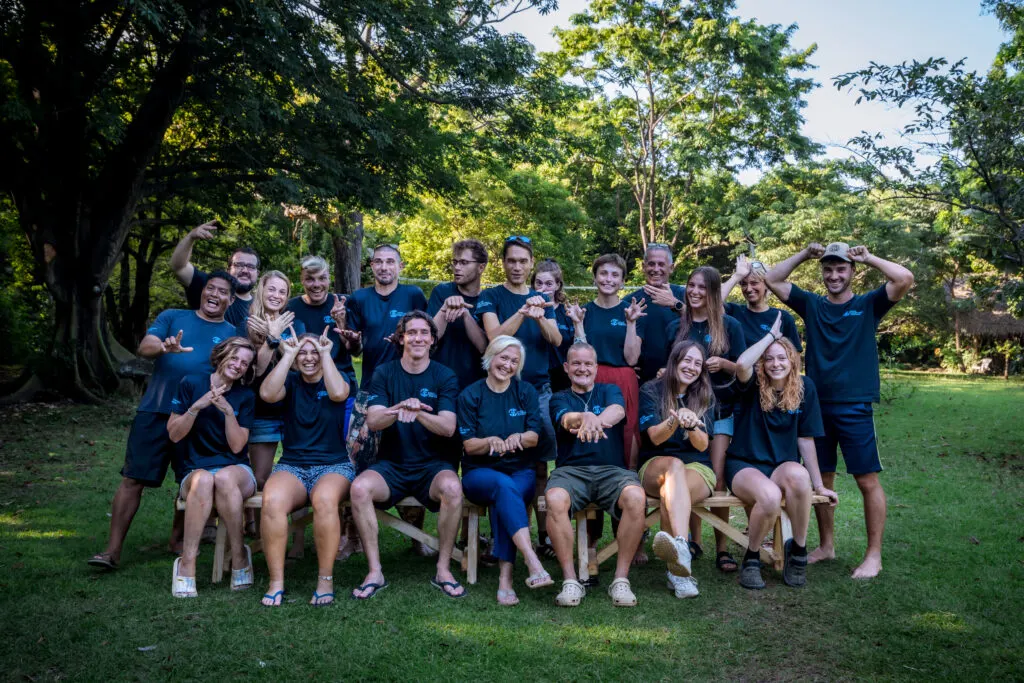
x=518, y=238
x=238, y=265
x=461, y=262
x=758, y=267
x=657, y=245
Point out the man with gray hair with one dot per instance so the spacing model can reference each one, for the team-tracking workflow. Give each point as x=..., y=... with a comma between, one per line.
x=664, y=303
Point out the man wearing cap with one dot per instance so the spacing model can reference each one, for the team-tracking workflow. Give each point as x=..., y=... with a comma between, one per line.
x=842, y=360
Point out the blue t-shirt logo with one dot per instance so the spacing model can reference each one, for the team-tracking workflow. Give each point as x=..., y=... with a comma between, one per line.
x=516, y=412
x=465, y=430
x=645, y=419
x=328, y=319
x=427, y=393
x=707, y=338
x=215, y=340
x=618, y=323
x=598, y=410
x=854, y=313
x=765, y=327
x=175, y=402
x=320, y=394
x=371, y=397
x=396, y=314
x=484, y=304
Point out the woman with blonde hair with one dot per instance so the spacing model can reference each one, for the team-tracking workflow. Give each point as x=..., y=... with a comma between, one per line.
x=778, y=419
x=210, y=420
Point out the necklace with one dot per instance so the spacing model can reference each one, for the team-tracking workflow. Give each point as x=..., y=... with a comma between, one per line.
x=586, y=403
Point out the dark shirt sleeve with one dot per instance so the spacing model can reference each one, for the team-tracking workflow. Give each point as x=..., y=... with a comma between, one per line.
x=650, y=408
x=880, y=303
x=194, y=289
x=799, y=300
x=558, y=407
x=790, y=332
x=436, y=302
x=378, y=391
x=532, y=403
x=614, y=396
x=737, y=342
x=182, y=400
x=468, y=415
x=810, y=416
x=247, y=411
x=161, y=327
x=448, y=393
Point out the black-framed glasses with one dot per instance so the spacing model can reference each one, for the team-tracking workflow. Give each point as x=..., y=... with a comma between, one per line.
x=461, y=262
x=518, y=238
x=238, y=265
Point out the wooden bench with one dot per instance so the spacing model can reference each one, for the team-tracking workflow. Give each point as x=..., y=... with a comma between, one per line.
x=468, y=560
x=775, y=557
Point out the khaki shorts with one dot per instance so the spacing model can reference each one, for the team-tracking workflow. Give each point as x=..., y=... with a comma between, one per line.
x=705, y=472
x=599, y=484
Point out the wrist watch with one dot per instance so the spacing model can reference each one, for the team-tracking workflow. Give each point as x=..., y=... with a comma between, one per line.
x=273, y=343
x=677, y=306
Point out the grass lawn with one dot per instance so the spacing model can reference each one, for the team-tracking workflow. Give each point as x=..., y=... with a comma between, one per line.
x=949, y=603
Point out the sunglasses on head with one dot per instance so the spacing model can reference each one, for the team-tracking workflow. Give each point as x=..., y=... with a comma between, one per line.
x=518, y=238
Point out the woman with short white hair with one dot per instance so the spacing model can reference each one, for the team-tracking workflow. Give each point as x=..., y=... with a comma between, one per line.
x=500, y=422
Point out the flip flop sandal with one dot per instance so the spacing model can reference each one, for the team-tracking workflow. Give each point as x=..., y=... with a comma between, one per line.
x=273, y=598
x=539, y=580
x=102, y=560
x=375, y=588
x=454, y=585
x=726, y=563
x=696, y=552
x=510, y=596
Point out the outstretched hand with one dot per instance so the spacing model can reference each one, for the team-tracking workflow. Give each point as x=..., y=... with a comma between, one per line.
x=290, y=346
x=743, y=266
x=277, y=326
x=173, y=344
x=210, y=398
x=339, y=312
x=205, y=231
x=591, y=430
x=661, y=295
x=776, y=330
x=576, y=313
x=635, y=310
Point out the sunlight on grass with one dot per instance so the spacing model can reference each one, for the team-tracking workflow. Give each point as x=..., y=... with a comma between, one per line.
x=596, y=638
x=940, y=621
x=39, y=535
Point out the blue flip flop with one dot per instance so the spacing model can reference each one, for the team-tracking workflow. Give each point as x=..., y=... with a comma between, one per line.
x=375, y=588
x=273, y=598
x=317, y=596
x=440, y=585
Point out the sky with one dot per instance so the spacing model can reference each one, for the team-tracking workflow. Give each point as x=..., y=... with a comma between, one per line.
x=849, y=34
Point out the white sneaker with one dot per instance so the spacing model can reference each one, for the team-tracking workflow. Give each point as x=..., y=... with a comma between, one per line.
x=675, y=552
x=682, y=586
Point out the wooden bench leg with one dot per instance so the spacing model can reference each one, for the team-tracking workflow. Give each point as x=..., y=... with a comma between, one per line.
x=783, y=532
x=219, y=552
x=473, y=546
x=582, y=545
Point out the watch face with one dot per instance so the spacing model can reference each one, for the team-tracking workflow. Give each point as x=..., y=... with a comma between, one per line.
x=677, y=306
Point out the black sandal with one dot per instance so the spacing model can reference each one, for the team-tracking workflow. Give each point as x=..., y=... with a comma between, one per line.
x=696, y=552
x=726, y=563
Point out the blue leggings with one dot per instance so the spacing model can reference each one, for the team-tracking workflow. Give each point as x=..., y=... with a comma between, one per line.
x=506, y=495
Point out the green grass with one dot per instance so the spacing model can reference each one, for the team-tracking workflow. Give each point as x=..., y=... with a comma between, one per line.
x=949, y=603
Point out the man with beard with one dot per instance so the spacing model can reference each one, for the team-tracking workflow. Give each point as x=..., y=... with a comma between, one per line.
x=664, y=303
x=452, y=304
x=842, y=360
x=179, y=342
x=243, y=265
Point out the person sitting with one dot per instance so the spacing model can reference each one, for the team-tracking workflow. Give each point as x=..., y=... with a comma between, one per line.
x=590, y=468
x=676, y=421
x=778, y=420
x=314, y=468
x=211, y=416
x=411, y=401
x=499, y=422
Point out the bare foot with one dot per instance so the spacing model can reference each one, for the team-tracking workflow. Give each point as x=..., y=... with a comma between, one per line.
x=821, y=554
x=324, y=594
x=640, y=558
x=373, y=582
x=274, y=595
x=507, y=597
x=869, y=568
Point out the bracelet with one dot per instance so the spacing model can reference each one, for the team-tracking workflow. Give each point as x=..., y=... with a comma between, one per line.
x=273, y=343
x=189, y=411
x=579, y=340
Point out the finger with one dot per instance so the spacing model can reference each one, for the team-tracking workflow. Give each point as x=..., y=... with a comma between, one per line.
x=178, y=338
x=185, y=349
x=424, y=406
x=339, y=331
x=327, y=328
x=291, y=330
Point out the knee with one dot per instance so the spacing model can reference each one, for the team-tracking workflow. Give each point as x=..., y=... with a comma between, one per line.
x=633, y=499
x=558, y=502
x=451, y=491
x=223, y=483
x=361, y=492
x=769, y=499
x=201, y=483
x=868, y=483
x=274, y=503
x=324, y=503
x=799, y=481
x=676, y=471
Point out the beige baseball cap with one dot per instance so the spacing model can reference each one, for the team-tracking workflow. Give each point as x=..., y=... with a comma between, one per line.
x=837, y=250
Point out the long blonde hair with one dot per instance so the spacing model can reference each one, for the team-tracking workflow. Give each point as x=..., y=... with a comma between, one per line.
x=792, y=393
x=719, y=345
x=226, y=350
x=256, y=308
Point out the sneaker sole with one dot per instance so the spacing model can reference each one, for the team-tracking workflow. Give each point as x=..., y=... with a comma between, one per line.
x=666, y=552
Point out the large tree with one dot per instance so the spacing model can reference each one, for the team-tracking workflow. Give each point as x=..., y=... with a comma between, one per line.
x=680, y=91
x=299, y=100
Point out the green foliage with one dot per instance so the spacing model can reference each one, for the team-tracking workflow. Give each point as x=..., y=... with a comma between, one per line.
x=25, y=323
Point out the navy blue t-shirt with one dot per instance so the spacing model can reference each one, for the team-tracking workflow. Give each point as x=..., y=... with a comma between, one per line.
x=723, y=383
x=314, y=425
x=771, y=438
x=678, y=445
x=237, y=309
x=505, y=304
x=170, y=368
x=264, y=410
x=606, y=332
x=483, y=413
x=206, y=444
x=557, y=354
x=657, y=341
x=377, y=317
x=412, y=444
x=842, y=351
x=756, y=325
x=575, y=453
x=455, y=350
x=315, y=319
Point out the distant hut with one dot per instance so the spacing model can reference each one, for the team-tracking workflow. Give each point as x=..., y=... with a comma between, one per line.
x=987, y=319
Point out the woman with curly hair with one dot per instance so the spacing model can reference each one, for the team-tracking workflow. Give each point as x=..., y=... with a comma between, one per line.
x=211, y=416
x=676, y=418
x=778, y=420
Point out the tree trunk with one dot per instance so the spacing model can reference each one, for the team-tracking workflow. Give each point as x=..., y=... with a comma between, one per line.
x=347, y=241
x=956, y=339
x=80, y=364
x=1006, y=365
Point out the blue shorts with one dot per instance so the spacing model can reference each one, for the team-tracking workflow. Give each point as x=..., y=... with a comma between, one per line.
x=415, y=481
x=724, y=426
x=266, y=430
x=150, y=451
x=215, y=470
x=851, y=427
x=309, y=475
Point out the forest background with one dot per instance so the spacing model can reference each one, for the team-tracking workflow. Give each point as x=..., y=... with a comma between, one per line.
x=330, y=126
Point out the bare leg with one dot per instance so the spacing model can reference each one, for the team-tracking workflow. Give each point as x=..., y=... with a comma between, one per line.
x=282, y=493
x=261, y=458
x=522, y=540
x=369, y=488
x=326, y=496
x=874, y=518
x=633, y=503
x=447, y=489
x=559, y=528
x=122, y=512
x=826, y=515
x=230, y=486
x=751, y=486
x=719, y=445
x=795, y=483
x=198, y=503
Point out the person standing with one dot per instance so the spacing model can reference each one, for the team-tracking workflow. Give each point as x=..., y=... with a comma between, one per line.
x=756, y=316
x=664, y=302
x=243, y=265
x=179, y=342
x=842, y=360
x=452, y=306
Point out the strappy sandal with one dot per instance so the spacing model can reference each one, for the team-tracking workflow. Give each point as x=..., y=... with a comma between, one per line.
x=539, y=580
x=726, y=563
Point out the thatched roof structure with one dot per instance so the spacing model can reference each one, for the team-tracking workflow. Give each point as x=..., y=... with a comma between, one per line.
x=994, y=321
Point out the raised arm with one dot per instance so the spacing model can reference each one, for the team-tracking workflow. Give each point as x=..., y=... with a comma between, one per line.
x=633, y=343
x=742, y=270
x=777, y=277
x=181, y=257
x=272, y=390
x=900, y=278
x=745, y=363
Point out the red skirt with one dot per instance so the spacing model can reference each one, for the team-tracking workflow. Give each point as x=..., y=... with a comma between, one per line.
x=625, y=380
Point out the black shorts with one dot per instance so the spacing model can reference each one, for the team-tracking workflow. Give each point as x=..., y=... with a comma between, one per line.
x=415, y=481
x=150, y=451
x=734, y=466
x=851, y=427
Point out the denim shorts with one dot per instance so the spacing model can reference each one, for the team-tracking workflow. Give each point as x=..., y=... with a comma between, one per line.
x=215, y=470
x=724, y=426
x=266, y=430
x=309, y=475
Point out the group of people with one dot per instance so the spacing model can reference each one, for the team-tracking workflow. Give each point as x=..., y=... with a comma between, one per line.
x=669, y=392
